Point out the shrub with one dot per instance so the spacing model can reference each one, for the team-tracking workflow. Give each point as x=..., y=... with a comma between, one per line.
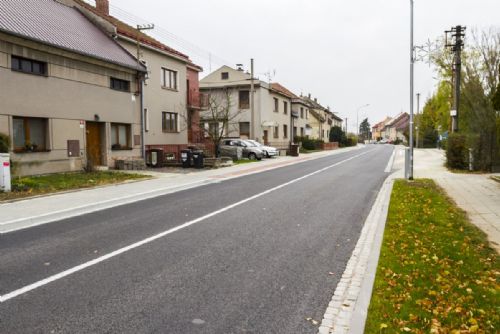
x=4, y=143
x=456, y=151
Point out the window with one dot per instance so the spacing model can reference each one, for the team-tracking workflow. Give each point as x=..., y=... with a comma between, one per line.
x=301, y=112
x=285, y=107
x=276, y=132
x=168, y=78
x=301, y=131
x=119, y=84
x=244, y=99
x=307, y=113
x=213, y=129
x=120, y=136
x=146, y=119
x=224, y=75
x=28, y=66
x=276, y=105
x=169, y=122
x=30, y=134
x=294, y=131
x=285, y=131
x=245, y=129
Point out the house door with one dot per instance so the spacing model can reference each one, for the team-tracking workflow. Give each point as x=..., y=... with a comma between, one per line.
x=265, y=138
x=94, y=143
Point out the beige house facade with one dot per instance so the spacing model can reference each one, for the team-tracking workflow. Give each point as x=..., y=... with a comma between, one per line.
x=66, y=105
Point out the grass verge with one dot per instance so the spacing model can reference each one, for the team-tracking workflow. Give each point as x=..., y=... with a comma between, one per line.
x=243, y=161
x=436, y=272
x=44, y=184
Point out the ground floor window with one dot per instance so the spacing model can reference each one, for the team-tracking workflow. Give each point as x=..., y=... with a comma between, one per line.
x=120, y=136
x=169, y=122
x=30, y=134
x=245, y=129
x=285, y=131
x=301, y=131
x=276, y=132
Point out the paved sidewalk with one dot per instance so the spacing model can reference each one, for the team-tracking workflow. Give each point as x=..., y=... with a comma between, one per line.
x=40, y=210
x=477, y=194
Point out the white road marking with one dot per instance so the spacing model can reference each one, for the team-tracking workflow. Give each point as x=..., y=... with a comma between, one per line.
x=117, y=252
x=390, y=162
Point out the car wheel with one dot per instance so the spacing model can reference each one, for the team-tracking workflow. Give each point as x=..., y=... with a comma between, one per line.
x=252, y=156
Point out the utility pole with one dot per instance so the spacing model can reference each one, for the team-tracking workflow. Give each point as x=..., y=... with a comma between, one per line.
x=456, y=33
x=418, y=117
x=252, y=108
x=346, y=126
x=141, y=86
x=412, y=62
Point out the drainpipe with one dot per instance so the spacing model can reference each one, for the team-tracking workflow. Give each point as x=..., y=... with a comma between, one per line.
x=143, y=134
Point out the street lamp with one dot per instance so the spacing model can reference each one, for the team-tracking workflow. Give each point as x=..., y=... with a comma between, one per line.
x=357, y=118
x=412, y=61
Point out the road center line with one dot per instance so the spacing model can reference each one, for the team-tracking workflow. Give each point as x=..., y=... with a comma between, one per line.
x=117, y=252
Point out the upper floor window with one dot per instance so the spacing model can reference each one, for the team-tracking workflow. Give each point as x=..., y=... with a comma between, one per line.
x=301, y=112
x=29, y=66
x=285, y=107
x=244, y=99
x=224, y=75
x=119, y=84
x=169, y=122
x=168, y=78
x=276, y=104
x=30, y=134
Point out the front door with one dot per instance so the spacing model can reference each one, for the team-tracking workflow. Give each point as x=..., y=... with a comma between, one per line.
x=265, y=138
x=94, y=155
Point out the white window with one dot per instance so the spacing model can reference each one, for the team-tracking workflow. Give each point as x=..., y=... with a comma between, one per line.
x=168, y=78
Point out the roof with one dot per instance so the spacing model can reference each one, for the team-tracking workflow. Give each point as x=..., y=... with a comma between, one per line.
x=52, y=23
x=131, y=32
x=398, y=121
x=282, y=90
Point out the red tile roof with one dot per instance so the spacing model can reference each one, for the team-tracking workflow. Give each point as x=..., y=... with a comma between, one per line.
x=282, y=90
x=130, y=32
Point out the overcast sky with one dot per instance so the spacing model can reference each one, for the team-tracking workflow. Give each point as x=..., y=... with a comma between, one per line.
x=346, y=53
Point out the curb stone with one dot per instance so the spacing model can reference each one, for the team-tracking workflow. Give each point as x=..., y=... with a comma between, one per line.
x=348, y=308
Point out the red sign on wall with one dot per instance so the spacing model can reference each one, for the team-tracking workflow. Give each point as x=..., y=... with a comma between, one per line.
x=6, y=164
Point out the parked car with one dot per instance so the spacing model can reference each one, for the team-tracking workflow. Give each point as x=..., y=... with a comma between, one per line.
x=268, y=151
x=250, y=152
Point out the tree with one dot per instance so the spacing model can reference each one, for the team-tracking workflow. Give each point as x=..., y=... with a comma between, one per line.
x=337, y=135
x=220, y=118
x=364, y=130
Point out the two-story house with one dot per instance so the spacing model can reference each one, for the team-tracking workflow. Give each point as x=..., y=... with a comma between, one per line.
x=270, y=121
x=171, y=99
x=69, y=93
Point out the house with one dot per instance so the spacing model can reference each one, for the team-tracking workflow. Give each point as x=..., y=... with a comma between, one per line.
x=396, y=128
x=171, y=97
x=270, y=122
x=321, y=120
x=300, y=110
x=69, y=94
x=378, y=128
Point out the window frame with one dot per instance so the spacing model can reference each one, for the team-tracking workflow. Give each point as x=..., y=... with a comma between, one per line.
x=117, y=146
x=240, y=100
x=117, y=84
x=276, y=104
x=276, y=130
x=244, y=133
x=224, y=75
x=19, y=68
x=285, y=107
x=28, y=146
x=171, y=75
x=285, y=131
x=171, y=122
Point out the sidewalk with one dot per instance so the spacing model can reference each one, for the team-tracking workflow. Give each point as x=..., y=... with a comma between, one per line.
x=40, y=210
x=477, y=194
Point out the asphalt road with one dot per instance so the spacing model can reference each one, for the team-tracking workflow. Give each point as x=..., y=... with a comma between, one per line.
x=262, y=266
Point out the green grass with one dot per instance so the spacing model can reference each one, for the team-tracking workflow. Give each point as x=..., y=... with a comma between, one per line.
x=436, y=272
x=243, y=161
x=44, y=184
x=303, y=150
x=496, y=178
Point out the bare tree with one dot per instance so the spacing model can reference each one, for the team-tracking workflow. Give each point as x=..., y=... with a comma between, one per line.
x=221, y=116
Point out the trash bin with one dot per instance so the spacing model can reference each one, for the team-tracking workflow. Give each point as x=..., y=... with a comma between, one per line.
x=155, y=157
x=186, y=157
x=5, y=172
x=294, y=150
x=198, y=159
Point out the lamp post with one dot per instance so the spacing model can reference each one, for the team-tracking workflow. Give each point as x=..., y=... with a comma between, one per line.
x=412, y=61
x=357, y=118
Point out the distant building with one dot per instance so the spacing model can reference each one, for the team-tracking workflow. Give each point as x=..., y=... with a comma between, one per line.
x=396, y=128
x=378, y=128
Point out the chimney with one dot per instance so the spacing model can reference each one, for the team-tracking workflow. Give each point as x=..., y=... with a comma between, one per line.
x=102, y=6
x=315, y=99
x=309, y=95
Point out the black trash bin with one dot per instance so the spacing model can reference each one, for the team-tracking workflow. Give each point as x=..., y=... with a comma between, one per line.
x=198, y=159
x=294, y=150
x=186, y=157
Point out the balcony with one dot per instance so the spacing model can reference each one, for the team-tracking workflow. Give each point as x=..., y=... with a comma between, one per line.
x=196, y=100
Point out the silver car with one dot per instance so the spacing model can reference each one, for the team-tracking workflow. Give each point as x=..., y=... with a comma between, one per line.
x=268, y=151
x=249, y=151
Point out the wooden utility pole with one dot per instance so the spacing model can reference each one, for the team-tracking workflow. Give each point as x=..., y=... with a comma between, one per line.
x=456, y=33
x=252, y=107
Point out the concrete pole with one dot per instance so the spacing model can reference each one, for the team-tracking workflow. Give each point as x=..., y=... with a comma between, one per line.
x=418, y=118
x=252, y=109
